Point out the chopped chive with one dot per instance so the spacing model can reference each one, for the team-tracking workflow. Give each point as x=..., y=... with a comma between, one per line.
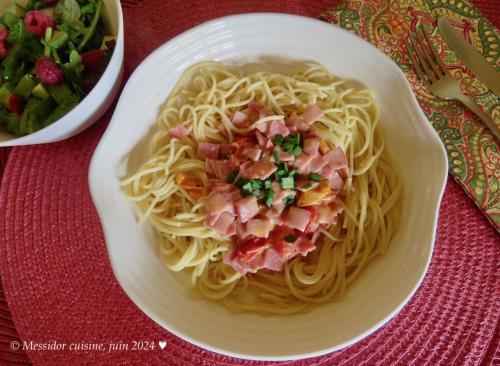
x=289, y=199
x=293, y=139
x=277, y=158
x=315, y=177
x=290, y=238
x=307, y=186
x=269, y=197
x=296, y=150
x=287, y=182
x=232, y=176
x=278, y=140
x=287, y=147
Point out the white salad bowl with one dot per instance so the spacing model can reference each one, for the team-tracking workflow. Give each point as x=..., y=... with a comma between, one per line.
x=93, y=106
x=381, y=290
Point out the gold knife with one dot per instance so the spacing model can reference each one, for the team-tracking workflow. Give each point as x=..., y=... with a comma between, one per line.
x=470, y=57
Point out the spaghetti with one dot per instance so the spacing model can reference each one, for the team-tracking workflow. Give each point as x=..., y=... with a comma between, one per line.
x=203, y=101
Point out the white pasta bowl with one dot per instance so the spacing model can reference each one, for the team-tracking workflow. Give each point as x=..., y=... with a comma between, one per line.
x=387, y=283
x=93, y=106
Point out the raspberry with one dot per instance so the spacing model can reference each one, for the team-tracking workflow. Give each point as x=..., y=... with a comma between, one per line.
x=37, y=21
x=15, y=104
x=4, y=51
x=4, y=34
x=90, y=59
x=48, y=71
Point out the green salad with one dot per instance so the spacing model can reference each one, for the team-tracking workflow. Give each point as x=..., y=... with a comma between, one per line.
x=52, y=53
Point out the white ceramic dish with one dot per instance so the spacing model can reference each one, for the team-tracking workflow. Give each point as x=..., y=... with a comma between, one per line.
x=383, y=287
x=95, y=103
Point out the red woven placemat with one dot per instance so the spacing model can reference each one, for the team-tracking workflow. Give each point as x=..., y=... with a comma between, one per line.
x=59, y=285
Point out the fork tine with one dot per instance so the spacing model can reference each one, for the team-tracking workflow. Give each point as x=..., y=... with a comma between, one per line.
x=437, y=59
x=425, y=45
x=417, y=66
x=423, y=60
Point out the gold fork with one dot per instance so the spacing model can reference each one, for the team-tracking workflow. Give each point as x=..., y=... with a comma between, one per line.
x=433, y=74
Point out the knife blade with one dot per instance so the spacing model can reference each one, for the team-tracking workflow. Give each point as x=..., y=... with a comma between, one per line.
x=470, y=56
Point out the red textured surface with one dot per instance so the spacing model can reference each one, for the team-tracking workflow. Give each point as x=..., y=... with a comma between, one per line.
x=59, y=285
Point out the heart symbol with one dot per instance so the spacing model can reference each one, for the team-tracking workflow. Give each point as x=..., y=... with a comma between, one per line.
x=162, y=344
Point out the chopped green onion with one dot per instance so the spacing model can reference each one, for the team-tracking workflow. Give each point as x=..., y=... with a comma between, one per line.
x=269, y=197
x=267, y=183
x=232, y=176
x=262, y=154
x=285, y=167
x=315, y=177
x=287, y=182
x=290, y=238
x=307, y=186
x=289, y=199
x=288, y=147
x=296, y=150
x=278, y=140
x=293, y=173
x=277, y=158
x=293, y=139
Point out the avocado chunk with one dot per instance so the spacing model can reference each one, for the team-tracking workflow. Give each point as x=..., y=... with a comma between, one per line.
x=40, y=91
x=25, y=86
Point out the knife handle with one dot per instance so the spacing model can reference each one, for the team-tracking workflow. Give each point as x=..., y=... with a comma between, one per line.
x=485, y=117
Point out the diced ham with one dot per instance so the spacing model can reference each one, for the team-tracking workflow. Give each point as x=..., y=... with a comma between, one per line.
x=296, y=123
x=325, y=215
x=302, y=163
x=278, y=127
x=252, y=153
x=311, y=146
x=312, y=114
x=259, y=227
x=263, y=141
x=304, y=245
x=247, y=208
x=220, y=168
x=272, y=260
x=337, y=159
x=224, y=225
x=178, y=131
x=336, y=181
x=215, y=204
x=317, y=164
x=273, y=128
x=207, y=150
x=239, y=118
x=283, y=155
x=256, y=106
x=297, y=218
x=257, y=170
x=226, y=150
x=274, y=216
x=215, y=185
